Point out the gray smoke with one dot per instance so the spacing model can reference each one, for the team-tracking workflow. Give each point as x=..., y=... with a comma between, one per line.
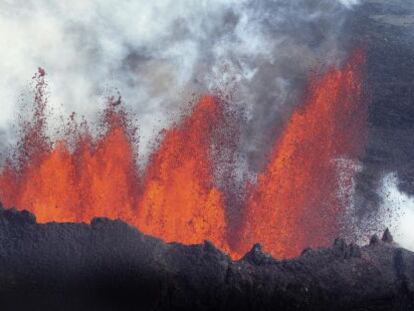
x=156, y=54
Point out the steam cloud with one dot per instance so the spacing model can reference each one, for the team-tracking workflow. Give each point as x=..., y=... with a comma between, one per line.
x=156, y=54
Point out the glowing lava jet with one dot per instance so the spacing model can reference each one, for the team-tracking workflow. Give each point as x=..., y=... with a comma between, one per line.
x=293, y=205
x=180, y=201
x=59, y=182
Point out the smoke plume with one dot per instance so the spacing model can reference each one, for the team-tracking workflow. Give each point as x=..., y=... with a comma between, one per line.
x=158, y=54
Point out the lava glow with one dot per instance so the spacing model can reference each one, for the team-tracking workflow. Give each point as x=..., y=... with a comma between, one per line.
x=293, y=205
x=95, y=178
x=180, y=201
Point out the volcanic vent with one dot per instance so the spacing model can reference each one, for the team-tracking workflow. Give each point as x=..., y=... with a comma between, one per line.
x=297, y=201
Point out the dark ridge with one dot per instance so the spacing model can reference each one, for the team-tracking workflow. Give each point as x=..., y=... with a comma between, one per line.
x=109, y=265
x=387, y=237
x=257, y=257
x=374, y=240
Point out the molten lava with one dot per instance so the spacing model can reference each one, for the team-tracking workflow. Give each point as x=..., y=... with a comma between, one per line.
x=58, y=184
x=295, y=203
x=99, y=177
x=180, y=201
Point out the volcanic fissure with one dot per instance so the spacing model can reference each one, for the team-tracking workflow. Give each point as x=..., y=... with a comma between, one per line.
x=297, y=200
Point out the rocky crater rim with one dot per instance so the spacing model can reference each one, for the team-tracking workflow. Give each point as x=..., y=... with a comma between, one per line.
x=256, y=255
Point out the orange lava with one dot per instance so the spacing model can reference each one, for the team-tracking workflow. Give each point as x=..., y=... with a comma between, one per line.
x=180, y=201
x=78, y=178
x=295, y=203
x=58, y=184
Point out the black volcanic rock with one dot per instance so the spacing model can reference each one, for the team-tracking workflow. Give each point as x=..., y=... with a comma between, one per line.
x=387, y=237
x=374, y=240
x=257, y=257
x=109, y=265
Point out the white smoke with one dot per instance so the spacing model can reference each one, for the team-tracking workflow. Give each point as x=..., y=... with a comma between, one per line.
x=349, y=3
x=400, y=209
x=157, y=53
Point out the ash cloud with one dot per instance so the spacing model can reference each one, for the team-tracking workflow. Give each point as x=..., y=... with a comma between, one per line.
x=157, y=54
x=384, y=186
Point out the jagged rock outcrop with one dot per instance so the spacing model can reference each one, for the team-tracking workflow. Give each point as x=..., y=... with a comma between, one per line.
x=109, y=265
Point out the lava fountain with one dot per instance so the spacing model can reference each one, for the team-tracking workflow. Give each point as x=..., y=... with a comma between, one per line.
x=180, y=201
x=60, y=182
x=294, y=204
